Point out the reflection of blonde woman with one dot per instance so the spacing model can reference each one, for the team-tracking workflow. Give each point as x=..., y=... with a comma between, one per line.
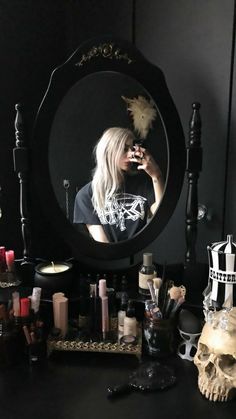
x=116, y=204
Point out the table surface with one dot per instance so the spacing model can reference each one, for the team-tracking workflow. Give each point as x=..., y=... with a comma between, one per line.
x=74, y=385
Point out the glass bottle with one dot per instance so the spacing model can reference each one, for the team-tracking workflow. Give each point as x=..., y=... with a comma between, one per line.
x=130, y=322
x=121, y=316
x=147, y=271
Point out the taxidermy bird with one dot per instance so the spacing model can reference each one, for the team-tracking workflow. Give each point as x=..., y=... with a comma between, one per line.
x=143, y=114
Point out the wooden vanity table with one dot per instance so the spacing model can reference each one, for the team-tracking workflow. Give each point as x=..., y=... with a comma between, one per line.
x=69, y=385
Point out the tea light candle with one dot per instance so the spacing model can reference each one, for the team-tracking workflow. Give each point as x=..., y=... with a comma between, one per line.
x=56, y=276
x=54, y=268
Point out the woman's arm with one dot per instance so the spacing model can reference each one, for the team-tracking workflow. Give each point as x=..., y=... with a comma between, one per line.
x=97, y=233
x=148, y=164
x=158, y=187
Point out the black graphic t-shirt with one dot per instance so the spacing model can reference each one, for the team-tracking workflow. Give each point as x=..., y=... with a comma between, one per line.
x=125, y=214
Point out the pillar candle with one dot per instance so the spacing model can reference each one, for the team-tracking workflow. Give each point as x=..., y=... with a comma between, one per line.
x=2, y=259
x=24, y=307
x=10, y=260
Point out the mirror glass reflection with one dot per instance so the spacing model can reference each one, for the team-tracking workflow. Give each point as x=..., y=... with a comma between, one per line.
x=92, y=110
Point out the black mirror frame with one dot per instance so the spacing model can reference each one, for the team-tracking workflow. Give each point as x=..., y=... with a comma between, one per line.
x=107, y=54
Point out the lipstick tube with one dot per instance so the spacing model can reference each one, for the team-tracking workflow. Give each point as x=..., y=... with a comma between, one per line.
x=24, y=307
x=102, y=288
x=105, y=317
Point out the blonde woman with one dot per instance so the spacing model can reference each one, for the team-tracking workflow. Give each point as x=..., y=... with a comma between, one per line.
x=116, y=204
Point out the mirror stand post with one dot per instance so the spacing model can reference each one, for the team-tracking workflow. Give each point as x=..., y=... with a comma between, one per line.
x=193, y=168
x=21, y=167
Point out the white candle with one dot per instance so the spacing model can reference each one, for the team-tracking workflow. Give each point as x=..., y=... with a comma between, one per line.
x=54, y=269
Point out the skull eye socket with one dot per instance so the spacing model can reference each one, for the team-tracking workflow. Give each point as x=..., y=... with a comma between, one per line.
x=227, y=363
x=203, y=352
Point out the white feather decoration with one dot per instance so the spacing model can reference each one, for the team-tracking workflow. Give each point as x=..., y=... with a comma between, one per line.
x=143, y=114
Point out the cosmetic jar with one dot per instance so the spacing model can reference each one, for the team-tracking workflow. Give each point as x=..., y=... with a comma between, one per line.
x=128, y=340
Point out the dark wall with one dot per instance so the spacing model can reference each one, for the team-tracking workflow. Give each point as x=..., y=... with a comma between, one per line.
x=35, y=37
x=192, y=43
x=230, y=190
x=30, y=37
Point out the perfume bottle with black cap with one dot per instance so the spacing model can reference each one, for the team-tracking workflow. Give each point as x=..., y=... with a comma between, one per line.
x=147, y=271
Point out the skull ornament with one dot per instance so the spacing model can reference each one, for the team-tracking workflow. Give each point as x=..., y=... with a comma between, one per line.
x=216, y=357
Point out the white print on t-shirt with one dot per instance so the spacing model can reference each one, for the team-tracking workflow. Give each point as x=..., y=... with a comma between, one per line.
x=123, y=207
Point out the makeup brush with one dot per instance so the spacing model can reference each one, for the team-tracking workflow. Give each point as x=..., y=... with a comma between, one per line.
x=164, y=293
x=157, y=285
x=174, y=294
x=177, y=305
x=182, y=290
x=151, y=289
x=228, y=303
x=163, y=288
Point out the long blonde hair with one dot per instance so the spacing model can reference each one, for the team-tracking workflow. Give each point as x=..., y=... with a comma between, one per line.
x=107, y=175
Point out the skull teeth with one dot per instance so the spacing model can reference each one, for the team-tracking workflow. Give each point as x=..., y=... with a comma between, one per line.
x=214, y=394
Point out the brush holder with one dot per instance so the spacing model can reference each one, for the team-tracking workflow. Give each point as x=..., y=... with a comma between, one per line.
x=159, y=337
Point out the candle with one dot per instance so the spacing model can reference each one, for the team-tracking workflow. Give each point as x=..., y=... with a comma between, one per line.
x=2, y=259
x=16, y=303
x=54, y=268
x=24, y=307
x=10, y=260
x=35, y=298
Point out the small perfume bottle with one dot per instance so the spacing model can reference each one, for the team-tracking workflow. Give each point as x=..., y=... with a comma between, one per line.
x=121, y=317
x=130, y=322
x=147, y=271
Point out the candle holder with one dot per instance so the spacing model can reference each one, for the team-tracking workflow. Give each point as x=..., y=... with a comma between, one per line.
x=8, y=279
x=54, y=276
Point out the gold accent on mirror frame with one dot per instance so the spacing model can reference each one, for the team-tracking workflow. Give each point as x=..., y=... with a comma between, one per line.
x=108, y=50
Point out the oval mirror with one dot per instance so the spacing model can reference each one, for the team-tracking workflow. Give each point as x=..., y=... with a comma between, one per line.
x=84, y=98
x=72, y=138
